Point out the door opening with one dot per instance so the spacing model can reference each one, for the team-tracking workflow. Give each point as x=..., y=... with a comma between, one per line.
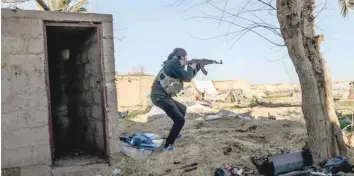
x=73, y=54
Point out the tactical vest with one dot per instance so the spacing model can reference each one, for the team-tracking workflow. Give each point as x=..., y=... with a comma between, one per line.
x=172, y=86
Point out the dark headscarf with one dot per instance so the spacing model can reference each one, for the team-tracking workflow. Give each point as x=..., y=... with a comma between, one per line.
x=176, y=52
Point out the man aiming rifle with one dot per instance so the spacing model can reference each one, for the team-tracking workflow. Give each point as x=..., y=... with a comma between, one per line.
x=168, y=83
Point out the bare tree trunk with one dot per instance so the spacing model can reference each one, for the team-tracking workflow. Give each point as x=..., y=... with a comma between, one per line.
x=296, y=21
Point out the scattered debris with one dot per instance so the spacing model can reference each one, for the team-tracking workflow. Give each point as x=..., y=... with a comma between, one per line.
x=236, y=138
x=115, y=172
x=229, y=170
x=224, y=114
x=271, y=117
x=135, y=153
x=184, y=169
x=337, y=164
x=123, y=114
x=227, y=150
x=189, y=167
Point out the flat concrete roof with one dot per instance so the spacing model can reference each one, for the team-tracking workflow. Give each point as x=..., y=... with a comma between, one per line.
x=55, y=16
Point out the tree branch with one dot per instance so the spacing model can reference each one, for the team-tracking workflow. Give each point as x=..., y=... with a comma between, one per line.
x=43, y=4
x=246, y=19
x=223, y=12
x=267, y=4
x=248, y=29
x=245, y=24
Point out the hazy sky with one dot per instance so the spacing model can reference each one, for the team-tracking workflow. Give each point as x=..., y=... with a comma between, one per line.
x=152, y=31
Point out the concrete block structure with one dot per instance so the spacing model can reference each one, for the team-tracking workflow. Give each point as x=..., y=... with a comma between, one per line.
x=58, y=90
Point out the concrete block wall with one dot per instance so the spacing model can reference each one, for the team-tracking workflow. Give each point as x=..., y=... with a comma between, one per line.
x=111, y=107
x=90, y=103
x=25, y=131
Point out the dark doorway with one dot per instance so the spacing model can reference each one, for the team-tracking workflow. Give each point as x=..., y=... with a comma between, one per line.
x=75, y=94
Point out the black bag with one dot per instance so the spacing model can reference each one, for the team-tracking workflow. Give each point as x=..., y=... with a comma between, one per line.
x=283, y=163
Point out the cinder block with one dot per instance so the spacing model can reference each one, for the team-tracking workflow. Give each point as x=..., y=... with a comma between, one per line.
x=86, y=84
x=80, y=110
x=15, y=27
x=32, y=62
x=110, y=77
x=95, y=67
x=112, y=102
x=100, y=133
x=89, y=137
x=13, y=45
x=88, y=112
x=25, y=137
x=38, y=100
x=97, y=97
x=93, y=82
x=114, y=149
x=81, y=72
x=20, y=81
x=107, y=29
x=37, y=170
x=35, y=45
x=87, y=72
x=14, y=83
x=78, y=60
x=18, y=157
x=84, y=57
x=13, y=120
x=24, y=119
x=12, y=103
x=13, y=171
x=37, y=117
x=23, y=73
x=114, y=158
x=42, y=154
x=97, y=112
x=113, y=130
x=108, y=55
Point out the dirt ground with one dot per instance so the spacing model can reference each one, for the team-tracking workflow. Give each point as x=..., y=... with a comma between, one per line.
x=213, y=143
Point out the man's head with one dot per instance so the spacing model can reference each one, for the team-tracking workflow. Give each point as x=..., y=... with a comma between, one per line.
x=180, y=53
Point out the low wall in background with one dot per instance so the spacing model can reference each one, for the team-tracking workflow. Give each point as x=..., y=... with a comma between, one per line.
x=133, y=90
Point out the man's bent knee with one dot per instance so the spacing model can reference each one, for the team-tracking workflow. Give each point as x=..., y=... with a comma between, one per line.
x=179, y=121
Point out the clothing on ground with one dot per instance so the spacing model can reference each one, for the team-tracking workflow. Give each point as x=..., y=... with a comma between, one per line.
x=141, y=141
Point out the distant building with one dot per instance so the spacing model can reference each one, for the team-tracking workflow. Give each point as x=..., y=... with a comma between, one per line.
x=351, y=91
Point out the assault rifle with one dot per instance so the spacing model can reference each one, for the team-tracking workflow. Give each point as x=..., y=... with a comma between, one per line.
x=203, y=62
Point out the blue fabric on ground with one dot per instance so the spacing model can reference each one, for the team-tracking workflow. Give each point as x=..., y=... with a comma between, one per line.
x=141, y=141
